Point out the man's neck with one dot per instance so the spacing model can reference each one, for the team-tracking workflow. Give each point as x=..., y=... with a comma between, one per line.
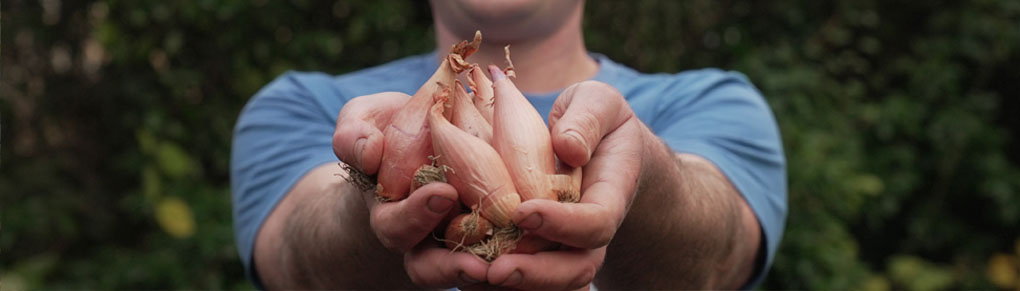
x=543, y=64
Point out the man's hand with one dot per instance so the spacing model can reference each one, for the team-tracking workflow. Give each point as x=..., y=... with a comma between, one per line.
x=593, y=127
x=689, y=227
x=403, y=226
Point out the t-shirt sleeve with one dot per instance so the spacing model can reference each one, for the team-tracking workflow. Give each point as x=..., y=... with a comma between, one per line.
x=723, y=118
x=283, y=132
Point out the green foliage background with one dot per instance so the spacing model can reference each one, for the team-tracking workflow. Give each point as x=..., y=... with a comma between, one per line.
x=899, y=119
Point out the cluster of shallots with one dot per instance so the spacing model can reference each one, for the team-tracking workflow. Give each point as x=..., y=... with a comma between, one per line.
x=490, y=144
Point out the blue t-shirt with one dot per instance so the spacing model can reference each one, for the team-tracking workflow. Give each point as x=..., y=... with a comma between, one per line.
x=286, y=130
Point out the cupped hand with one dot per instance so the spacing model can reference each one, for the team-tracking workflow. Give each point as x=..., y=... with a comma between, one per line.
x=403, y=226
x=593, y=127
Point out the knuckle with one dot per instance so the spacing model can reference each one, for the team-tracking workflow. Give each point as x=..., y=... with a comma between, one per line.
x=589, y=124
x=556, y=112
x=343, y=142
x=418, y=225
x=390, y=237
x=405, y=236
x=606, y=95
x=570, y=91
x=601, y=87
x=357, y=102
x=386, y=241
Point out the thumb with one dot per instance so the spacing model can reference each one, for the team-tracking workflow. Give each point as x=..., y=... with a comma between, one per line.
x=359, y=144
x=358, y=139
x=581, y=116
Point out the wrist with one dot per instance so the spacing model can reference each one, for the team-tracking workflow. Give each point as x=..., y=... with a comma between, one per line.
x=658, y=180
x=324, y=237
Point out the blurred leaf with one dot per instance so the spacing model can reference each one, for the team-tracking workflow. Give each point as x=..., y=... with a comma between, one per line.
x=916, y=274
x=175, y=217
x=30, y=273
x=174, y=161
x=152, y=188
x=1016, y=248
x=146, y=141
x=12, y=281
x=876, y=283
x=868, y=184
x=1002, y=270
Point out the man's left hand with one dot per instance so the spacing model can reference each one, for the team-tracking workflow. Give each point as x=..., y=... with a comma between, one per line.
x=593, y=127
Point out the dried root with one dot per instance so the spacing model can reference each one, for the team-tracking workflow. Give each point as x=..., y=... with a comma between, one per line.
x=503, y=241
x=359, y=179
x=568, y=196
x=429, y=174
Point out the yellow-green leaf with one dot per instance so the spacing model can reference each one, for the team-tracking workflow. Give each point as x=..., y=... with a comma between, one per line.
x=876, y=283
x=1002, y=270
x=174, y=161
x=12, y=281
x=146, y=141
x=152, y=187
x=1017, y=247
x=175, y=217
x=915, y=273
x=869, y=184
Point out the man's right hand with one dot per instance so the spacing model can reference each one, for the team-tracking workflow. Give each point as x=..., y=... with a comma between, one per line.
x=405, y=225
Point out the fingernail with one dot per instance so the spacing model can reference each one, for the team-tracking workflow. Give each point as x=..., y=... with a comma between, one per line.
x=466, y=279
x=514, y=279
x=359, y=150
x=440, y=204
x=533, y=221
x=576, y=136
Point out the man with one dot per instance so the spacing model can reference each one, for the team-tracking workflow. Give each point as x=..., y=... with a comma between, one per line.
x=684, y=176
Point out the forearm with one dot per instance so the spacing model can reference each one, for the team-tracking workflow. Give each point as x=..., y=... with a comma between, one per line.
x=687, y=226
x=319, y=237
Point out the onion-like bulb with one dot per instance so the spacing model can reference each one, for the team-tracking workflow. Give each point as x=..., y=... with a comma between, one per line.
x=481, y=87
x=473, y=168
x=406, y=145
x=521, y=138
x=465, y=116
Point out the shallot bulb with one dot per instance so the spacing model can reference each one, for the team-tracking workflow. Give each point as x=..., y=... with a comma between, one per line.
x=465, y=116
x=522, y=139
x=407, y=140
x=481, y=87
x=474, y=169
x=467, y=229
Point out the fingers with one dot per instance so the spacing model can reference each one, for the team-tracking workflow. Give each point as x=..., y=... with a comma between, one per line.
x=561, y=270
x=608, y=187
x=403, y=224
x=584, y=225
x=581, y=116
x=441, y=268
x=531, y=243
x=358, y=139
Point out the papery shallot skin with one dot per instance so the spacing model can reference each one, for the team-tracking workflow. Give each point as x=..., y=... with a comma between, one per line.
x=406, y=148
x=522, y=139
x=466, y=117
x=407, y=145
x=466, y=229
x=474, y=169
x=481, y=87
